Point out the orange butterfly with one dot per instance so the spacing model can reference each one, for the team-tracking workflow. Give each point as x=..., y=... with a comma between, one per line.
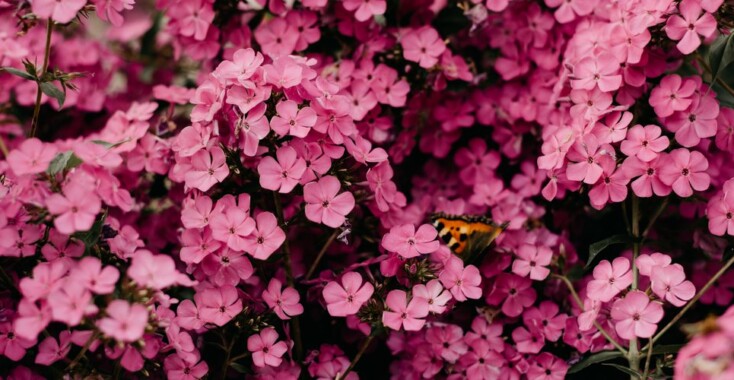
x=467, y=235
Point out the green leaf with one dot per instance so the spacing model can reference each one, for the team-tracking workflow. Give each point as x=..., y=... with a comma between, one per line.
x=49, y=89
x=596, y=248
x=63, y=161
x=721, y=55
x=598, y=357
x=110, y=145
x=624, y=369
x=575, y=273
x=19, y=73
x=91, y=237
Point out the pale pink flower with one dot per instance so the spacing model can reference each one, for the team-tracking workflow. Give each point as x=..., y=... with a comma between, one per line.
x=401, y=313
x=685, y=171
x=636, y=316
x=346, y=298
x=532, y=260
x=609, y=279
x=281, y=175
x=291, y=120
x=423, y=46
x=669, y=283
x=434, y=294
x=644, y=142
x=76, y=209
x=285, y=302
x=265, y=352
x=365, y=9
x=208, y=167
x=125, y=322
x=31, y=157
x=324, y=204
x=60, y=11
x=266, y=238
x=219, y=305
x=407, y=242
x=688, y=27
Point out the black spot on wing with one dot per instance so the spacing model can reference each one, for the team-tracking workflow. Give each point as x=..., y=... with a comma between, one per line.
x=446, y=238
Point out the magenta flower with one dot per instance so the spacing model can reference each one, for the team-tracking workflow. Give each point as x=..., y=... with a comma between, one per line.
x=448, y=341
x=12, y=345
x=31, y=157
x=346, y=298
x=266, y=238
x=291, y=120
x=547, y=319
x=669, y=283
x=285, y=302
x=407, y=242
x=513, y=292
x=125, y=322
x=644, y=142
x=401, y=313
x=323, y=205
x=690, y=26
x=636, y=316
x=528, y=341
x=532, y=260
x=482, y=361
x=611, y=188
x=609, y=279
x=685, y=171
x=265, y=352
x=547, y=367
x=672, y=94
x=252, y=128
x=51, y=350
x=281, y=175
x=423, y=46
x=276, y=37
x=219, y=305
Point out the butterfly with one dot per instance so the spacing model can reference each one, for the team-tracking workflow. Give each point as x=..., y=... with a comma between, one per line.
x=466, y=235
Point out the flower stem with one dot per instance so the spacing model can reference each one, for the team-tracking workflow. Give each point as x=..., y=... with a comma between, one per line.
x=361, y=351
x=315, y=264
x=693, y=300
x=633, y=357
x=647, y=362
x=46, y=55
x=83, y=351
x=596, y=324
x=295, y=322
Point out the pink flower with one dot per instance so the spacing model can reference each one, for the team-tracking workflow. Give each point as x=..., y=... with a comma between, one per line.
x=434, y=294
x=51, y=351
x=76, y=209
x=71, y=303
x=292, y=120
x=365, y=9
x=407, y=242
x=696, y=122
x=611, y=188
x=276, y=37
x=264, y=349
x=178, y=369
x=12, y=345
x=586, y=156
x=47, y=277
x=669, y=283
x=482, y=361
x=635, y=316
x=346, y=298
x=423, y=45
x=513, y=292
x=462, y=282
x=241, y=68
x=208, y=167
x=646, y=263
x=448, y=341
x=124, y=322
x=685, y=171
x=60, y=11
x=153, y=271
x=31, y=319
x=285, y=302
x=323, y=205
x=720, y=213
x=601, y=71
x=402, y=313
x=532, y=260
x=219, y=305
x=281, y=175
x=89, y=272
x=644, y=142
x=31, y=157
x=691, y=24
x=569, y=9
x=546, y=319
x=528, y=341
x=609, y=279
x=232, y=226
x=672, y=94
x=266, y=238
x=649, y=181
x=547, y=367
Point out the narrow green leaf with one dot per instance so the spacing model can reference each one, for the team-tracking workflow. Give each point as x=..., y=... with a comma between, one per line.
x=598, y=357
x=49, y=89
x=596, y=248
x=19, y=73
x=624, y=369
x=63, y=161
x=721, y=55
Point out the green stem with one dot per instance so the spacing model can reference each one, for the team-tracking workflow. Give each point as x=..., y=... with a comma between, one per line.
x=83, y=351
x=46, y=55
x=581, y=306
x=315, y=264
x=647, y=362
x=295, y=321
x=361, y=351
x=695, y=299
x=655, y=217
x=633, y=357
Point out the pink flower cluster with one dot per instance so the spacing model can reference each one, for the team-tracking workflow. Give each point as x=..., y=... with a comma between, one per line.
x=199, y=188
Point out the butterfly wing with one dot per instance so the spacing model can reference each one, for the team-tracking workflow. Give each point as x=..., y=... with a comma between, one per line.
x=466, y=236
